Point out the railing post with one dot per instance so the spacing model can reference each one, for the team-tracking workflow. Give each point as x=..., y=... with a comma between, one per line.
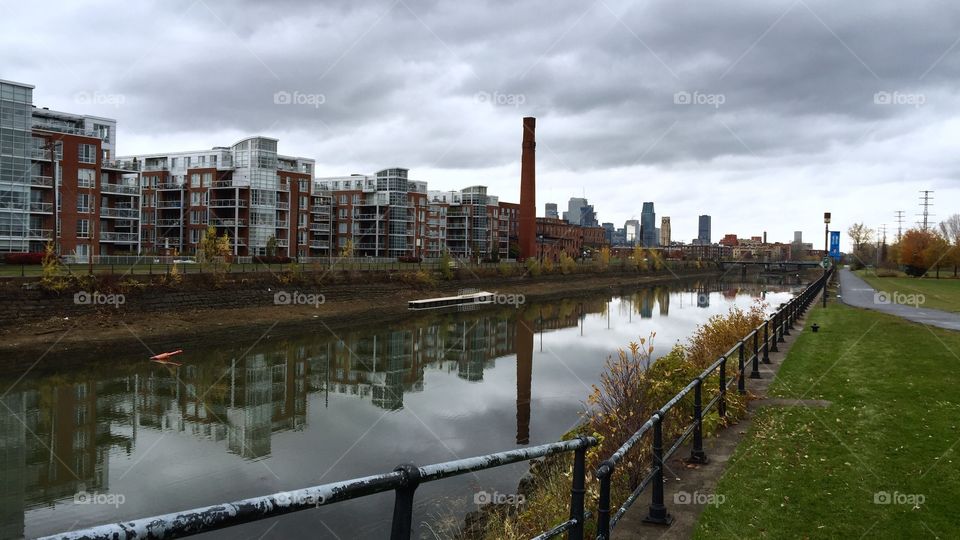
x=776, y=339
x=755, y=363
x=722, y=401
x=697, y=454
x=577, y=491
x=786, y=320
x=403, y=503
x=658, y=511
x=603, y=505
x=780, y=338
x=741, y=387
x=766, y=341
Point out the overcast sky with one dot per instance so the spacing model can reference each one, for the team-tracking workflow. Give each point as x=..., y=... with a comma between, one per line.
x=763, y=114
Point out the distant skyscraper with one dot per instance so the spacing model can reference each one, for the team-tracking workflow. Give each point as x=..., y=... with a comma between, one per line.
x=609, y=230
x=574, y=209
x=703, y=230
x=550, y=210
x=665, y=231
x=631, y=229
x=798, y=237
x=648, y=226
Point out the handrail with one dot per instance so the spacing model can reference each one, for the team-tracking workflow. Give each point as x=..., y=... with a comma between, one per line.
x=404, y=480
x=783, y=320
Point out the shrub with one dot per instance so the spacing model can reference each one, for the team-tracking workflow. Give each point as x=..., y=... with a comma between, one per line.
x=548, y=266
x=24, y=258
x=446, y=266
x=533, y=267
x=567, y=264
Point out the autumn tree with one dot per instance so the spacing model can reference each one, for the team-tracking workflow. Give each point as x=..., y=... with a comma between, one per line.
x=920, y=249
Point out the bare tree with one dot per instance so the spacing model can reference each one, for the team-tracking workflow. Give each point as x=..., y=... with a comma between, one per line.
x=860, y=235
x=950, y=230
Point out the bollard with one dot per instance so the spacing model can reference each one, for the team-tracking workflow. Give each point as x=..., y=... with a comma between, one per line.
x=403, y=503
x=658, y=511
x=697, y=455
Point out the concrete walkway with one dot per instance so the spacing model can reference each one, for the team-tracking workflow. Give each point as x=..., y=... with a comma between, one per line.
x=858, y=293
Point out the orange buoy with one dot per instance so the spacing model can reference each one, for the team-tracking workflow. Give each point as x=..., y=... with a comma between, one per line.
x=164, y=358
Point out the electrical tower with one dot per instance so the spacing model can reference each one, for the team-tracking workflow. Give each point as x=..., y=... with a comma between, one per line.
x=925, y=202
x=899, y=225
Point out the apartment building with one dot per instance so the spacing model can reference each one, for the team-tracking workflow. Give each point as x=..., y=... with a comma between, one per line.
x=59, y=183
x=263, y=201
x=386, y=214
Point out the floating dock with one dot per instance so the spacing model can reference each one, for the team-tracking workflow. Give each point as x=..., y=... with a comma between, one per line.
x=480, y=297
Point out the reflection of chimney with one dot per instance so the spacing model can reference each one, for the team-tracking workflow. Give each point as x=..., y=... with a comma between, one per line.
x=524, y=343
x=528, y=190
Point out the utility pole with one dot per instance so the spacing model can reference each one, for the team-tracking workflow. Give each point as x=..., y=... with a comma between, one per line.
x=881, y=243
x=899, y=225
x=925, y=203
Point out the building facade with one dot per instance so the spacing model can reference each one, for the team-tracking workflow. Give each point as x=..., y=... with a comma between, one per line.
x=648, y=226
x=703, y=230
x=665, y=231
x=264, y=202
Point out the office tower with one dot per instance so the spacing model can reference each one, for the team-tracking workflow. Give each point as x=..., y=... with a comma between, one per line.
x=665, y=231
x=703, y=230
x=550, y=210
x=648, y=226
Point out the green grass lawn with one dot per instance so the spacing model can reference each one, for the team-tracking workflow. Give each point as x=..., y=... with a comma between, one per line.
x=892, y=431
x=943, y=293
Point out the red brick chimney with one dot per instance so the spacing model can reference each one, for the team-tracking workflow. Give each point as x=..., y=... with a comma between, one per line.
x=528, y=190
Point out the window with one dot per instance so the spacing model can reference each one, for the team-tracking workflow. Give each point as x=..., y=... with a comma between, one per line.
x=85, y=178
x=342, y=228
x=207, y=179
x=83, y=228
x=303, y=186
x=195, y=198
x=174, y=162
x=356, y=199
x=195, y=180
x=343, y=199
x=87, y=153
x=343, y=213
x=303, y=202
x=83, y=203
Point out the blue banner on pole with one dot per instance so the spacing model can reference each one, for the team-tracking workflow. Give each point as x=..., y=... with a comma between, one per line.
x=835, y=245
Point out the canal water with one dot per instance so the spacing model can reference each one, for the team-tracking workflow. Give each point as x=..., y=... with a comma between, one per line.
x=120, y=438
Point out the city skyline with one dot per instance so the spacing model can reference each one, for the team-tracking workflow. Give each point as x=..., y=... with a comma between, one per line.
x=707, y=115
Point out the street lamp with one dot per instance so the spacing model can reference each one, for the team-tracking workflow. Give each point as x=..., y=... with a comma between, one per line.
x=826, y=251
x=540, y=245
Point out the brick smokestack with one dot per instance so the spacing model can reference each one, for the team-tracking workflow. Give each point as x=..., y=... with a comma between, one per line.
x=528, y=190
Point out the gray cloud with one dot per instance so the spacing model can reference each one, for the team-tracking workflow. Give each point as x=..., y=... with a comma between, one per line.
x=440, y=88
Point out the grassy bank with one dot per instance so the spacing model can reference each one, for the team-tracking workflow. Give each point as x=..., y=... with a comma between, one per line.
x=943, y=294
x=881, y=461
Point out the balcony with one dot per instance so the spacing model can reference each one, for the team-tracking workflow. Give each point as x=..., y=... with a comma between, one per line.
x=281, y=242
x=129, y=166
x=322, y=227
x=283, y=187
x=169, y=204
x=168, y=222
x=227, y=203
x=119, y=189
x=283, y=206
x=122, y=238
x=127, y=213
x=40, y=154
x=41, y=234
x=155, y=167
x=322, y=210
x=41, y=181
x=319, y=244
x=41, y=207
x=228, y=222
x=168, y=186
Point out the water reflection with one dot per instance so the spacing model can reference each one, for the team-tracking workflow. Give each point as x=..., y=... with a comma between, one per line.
x=59, y=433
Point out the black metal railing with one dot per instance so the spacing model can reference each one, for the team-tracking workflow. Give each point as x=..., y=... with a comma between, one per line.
x=405, y=479
x=773, y=329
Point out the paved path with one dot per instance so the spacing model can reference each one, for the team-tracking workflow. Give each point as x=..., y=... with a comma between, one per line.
x=857, y=293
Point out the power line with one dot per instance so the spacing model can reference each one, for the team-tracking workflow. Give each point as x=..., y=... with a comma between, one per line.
x=899, y=224
x=925, y=203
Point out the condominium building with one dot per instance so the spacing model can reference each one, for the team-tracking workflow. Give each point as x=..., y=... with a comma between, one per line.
x=58, y=183
x=263, y=201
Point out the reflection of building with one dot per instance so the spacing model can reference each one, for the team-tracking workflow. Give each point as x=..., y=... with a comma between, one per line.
x=524, y=340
